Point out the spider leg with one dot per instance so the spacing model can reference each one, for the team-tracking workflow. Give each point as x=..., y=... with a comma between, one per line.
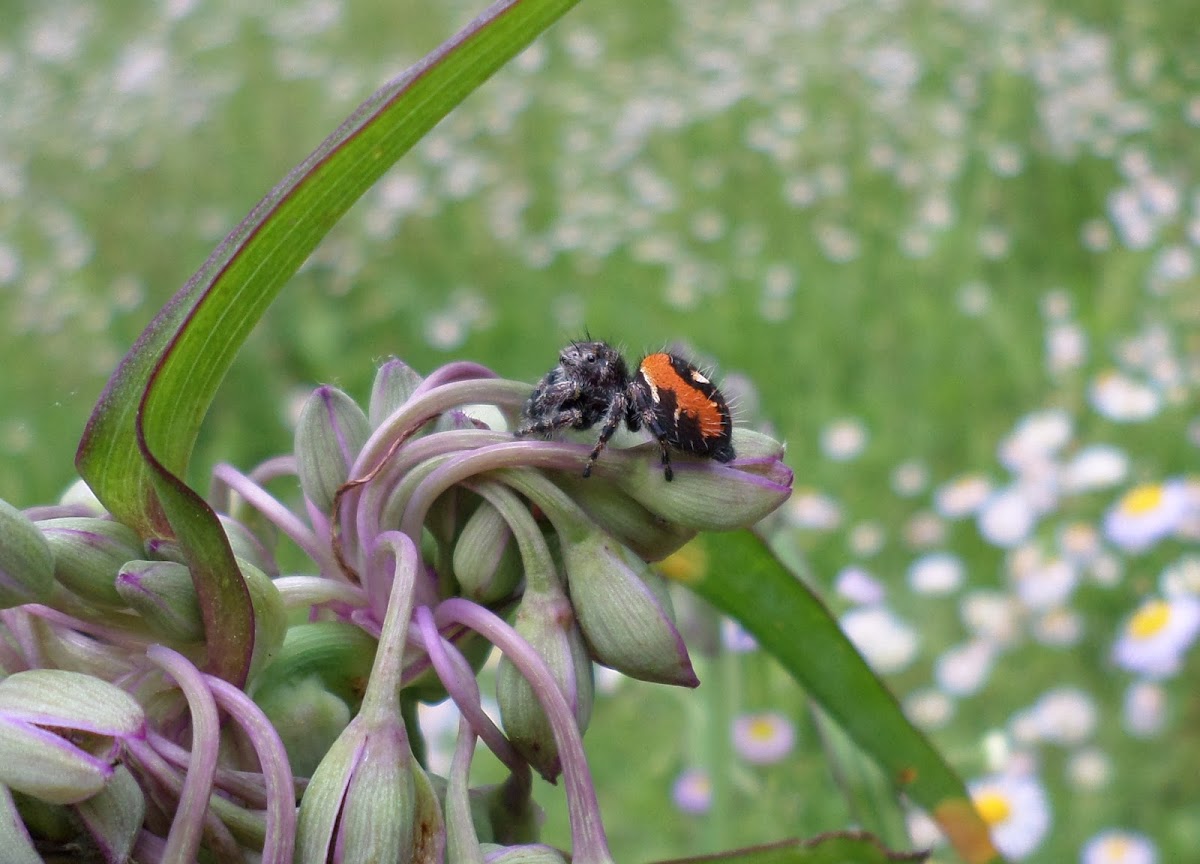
x=616, y=411
x=658, y=432
x=561, y=420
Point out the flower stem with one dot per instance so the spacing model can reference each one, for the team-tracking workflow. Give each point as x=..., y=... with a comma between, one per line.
x=587, y=831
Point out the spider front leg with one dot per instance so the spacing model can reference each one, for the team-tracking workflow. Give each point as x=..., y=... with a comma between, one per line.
x=567, y=417
x=616, y=411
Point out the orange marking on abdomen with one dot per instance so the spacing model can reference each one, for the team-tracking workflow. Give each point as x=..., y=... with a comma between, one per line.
x=662, y=375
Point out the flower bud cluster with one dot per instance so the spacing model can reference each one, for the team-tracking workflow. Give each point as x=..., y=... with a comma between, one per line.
x=434, y=538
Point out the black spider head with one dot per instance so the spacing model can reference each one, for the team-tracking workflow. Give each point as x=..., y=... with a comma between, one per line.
x=587, y=386
x=595, y=366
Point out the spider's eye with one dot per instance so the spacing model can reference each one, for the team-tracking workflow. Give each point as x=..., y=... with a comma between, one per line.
x=591, y=358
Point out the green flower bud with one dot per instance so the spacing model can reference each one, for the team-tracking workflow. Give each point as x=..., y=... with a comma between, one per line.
x=624, y=611
x=163, y=594
x=651, y=536
x=506, y=813
x=88, y=553
x=308, y=718
x=331, y=431
x=313, y=687
x=42, y=713
x=50, y=823
x=337, y=653
x=722, y=498
x=26, y=562
x=369, y=799
x=323, y=797
x=270, y=616
x=545, y=620
x=395, y=382
x=114, y=815
x=486, y=562
x=377, y=821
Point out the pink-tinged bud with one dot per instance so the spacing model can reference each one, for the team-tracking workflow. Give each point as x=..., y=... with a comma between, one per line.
x=395, y=382
x=114, y=815
x=38, y=709
x=88, y=553
x=331, y=431
x=712, y=496
x=377, y=820
x=26, y=562
x=486, y=562
x=651, y=536
x=625, y=612
x=162, y=593
x=546, y=621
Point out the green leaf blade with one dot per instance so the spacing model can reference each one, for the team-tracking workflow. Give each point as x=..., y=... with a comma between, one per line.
x=744, y=579
x=187, y=349
x=833, y=848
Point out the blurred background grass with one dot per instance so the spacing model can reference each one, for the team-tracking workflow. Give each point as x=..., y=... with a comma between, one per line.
x=899, y=215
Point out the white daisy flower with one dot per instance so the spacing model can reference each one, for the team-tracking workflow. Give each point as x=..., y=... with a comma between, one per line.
x=1089, y=769
x=964, y=669
x=1066, y=347
x=1056, y=305
x=888, y=643
x=735, y=638
x=929, y=709
x=1189, y=526
x=763, y=738
x=1006, y=519
x=924, y=530
x=1146, y=514
x=962, y=496
x=1025, y=727
x=936, y=573
x=923, y=832
x=909, y=478
x=1119, y=847
x=1037, y=438
x=1182, y=577
x=692, y=791
x=1123, y=399
x=867, y=538
x=1107, y=570
x=1066, y=716
x=858, y=586
x=1058, y=628
x=808, y=508
x=1155, y=638
x=1079, y=542
x=1097, y=466
x=1016, y=810
x=1144, y=709
x=1040, y=582
x=1039, y=484
x=991, y=616
x=843, y=440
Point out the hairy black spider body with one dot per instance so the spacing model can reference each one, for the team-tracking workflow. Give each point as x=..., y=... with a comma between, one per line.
x=668, y=396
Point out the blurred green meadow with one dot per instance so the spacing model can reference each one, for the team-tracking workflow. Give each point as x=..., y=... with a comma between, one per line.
x=947, y=250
